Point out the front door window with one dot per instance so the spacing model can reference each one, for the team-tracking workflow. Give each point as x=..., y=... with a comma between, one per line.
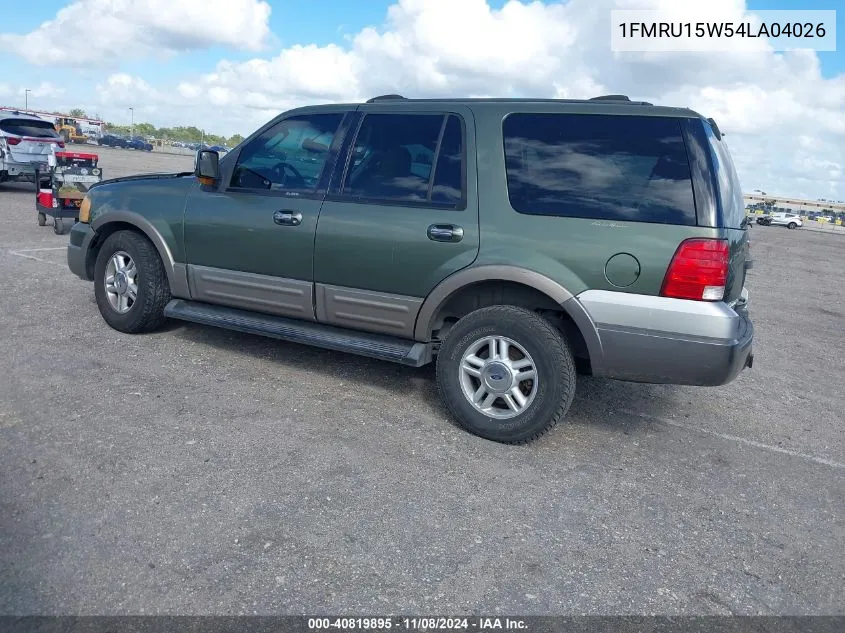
x=290, y=155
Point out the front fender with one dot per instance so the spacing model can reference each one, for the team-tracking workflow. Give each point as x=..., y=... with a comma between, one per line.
x=176, y=272
x=152, y=204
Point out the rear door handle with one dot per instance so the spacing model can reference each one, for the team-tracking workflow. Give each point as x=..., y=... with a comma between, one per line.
x=287, y=218
x=445, y=233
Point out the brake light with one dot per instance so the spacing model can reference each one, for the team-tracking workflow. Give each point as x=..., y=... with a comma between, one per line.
x=11, y=140
x=699, y=270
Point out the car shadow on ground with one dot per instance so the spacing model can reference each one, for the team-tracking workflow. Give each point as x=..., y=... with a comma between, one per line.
x=602, y=402
x=23, y=188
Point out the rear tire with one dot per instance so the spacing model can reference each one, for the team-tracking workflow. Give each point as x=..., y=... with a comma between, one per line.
x=509, y=409
x=42, y=219
x=141, y=268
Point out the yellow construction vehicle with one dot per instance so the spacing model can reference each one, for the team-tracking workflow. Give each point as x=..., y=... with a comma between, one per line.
x=70, y=130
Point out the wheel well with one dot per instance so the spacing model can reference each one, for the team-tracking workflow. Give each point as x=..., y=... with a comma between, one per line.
x=488, y=293
x=100, y=237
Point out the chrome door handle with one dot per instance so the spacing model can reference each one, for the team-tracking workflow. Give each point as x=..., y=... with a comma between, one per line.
x=287, y=218
x=445, y=233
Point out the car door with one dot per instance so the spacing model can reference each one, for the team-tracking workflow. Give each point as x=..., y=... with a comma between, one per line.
x=401, y=216
x=249, y=241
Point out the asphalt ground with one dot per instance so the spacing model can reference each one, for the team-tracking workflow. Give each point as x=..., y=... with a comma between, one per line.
x=200, y=471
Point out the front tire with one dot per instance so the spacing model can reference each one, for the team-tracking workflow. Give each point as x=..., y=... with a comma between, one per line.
x=506, y=374
x=130, y=283
x=792, y=225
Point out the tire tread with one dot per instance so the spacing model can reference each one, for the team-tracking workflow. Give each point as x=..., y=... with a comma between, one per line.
x=154, y=285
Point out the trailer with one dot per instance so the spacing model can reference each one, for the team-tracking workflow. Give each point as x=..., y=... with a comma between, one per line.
x=62, y=188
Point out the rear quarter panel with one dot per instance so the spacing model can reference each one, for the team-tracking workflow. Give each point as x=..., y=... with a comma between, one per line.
x=572, y=251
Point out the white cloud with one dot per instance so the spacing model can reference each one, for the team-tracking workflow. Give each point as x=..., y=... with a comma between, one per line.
x=32, y=95
x=45, y=89
x=102, y=31
x=784, y=121
x=124, y=90
x=768, y=103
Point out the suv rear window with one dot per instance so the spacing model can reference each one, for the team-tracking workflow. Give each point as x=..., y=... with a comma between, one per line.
x=620, y=167
x=24, y=127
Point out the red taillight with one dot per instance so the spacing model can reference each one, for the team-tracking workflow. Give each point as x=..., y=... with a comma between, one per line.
x=699, y=270
x=12, y=140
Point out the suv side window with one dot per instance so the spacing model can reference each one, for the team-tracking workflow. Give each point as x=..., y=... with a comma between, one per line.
x=730, y=191
x=620, y=167
x=416, y=159
x=288, y=155
x=448, y=186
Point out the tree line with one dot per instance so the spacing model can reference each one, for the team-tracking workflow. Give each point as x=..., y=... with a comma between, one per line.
x=186, y=134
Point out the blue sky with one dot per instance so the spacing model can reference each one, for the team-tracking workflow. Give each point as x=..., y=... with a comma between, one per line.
x=833, y=63
x=163, y=57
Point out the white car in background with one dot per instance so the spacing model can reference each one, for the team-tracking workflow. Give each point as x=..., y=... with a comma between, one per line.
x=789, y=220
x=26, y=141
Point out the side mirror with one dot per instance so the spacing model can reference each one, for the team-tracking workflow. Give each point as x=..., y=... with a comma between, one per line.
x=207, y=166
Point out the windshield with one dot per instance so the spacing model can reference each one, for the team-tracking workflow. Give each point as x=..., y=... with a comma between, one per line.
x=26, y=127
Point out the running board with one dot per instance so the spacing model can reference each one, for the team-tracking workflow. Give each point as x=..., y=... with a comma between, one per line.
x=389, y=348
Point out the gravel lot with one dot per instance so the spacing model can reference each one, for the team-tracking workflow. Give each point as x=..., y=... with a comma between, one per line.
x=202, y=471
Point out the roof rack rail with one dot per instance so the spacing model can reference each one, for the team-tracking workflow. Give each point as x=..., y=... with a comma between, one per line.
x=385, y=98
x=619, y=98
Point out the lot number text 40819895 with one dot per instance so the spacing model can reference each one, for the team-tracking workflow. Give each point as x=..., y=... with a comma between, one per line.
x=416, y=623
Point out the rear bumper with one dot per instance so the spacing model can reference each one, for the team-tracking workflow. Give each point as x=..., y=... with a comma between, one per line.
x=671, y=341
x=17, y=169
x=665, y=358
x=78, y=248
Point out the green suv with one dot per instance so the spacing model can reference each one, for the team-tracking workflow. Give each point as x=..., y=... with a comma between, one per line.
x=513, y=242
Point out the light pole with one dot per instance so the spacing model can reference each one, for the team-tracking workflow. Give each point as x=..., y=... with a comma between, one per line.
x=26, y=99
x=132, y=129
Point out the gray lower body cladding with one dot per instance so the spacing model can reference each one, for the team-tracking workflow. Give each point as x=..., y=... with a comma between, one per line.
x=78, y=248
x=669, y=341
x=397, y=350
x=665, y=358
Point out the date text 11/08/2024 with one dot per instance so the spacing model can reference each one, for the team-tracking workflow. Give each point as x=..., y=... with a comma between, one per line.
x=417, y=624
